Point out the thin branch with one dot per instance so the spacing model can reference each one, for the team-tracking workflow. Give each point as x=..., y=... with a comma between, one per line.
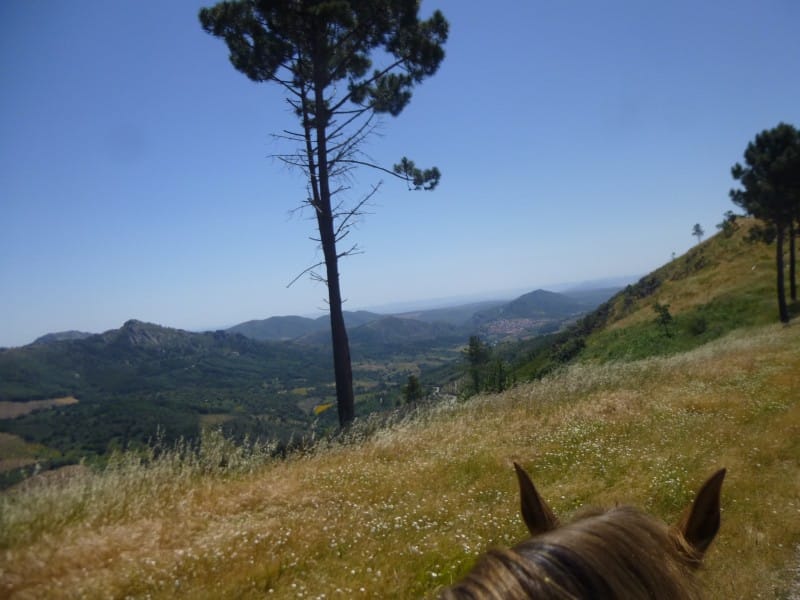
x=355, y=115
x=319, y=278
x=308, y=270
x=355, y=212
x=339, y=190
x=295, y=136
x=356, y=138
x=354, y=249
x=377, y=75
x=376, y=167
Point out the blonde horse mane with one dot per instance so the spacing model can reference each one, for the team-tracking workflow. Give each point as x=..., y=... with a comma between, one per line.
x=617, y=553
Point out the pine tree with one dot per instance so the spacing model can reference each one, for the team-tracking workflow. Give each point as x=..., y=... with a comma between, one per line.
x=663, y=318
x=412, y=392
x=322, y=53
x=771, y=192
x=477, y=356
x=697, y=231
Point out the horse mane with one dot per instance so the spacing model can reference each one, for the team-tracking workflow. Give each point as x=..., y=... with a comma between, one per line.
x=617, y=553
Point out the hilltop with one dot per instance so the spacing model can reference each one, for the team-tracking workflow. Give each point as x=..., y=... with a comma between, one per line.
x=292, y=327
x=61, y=336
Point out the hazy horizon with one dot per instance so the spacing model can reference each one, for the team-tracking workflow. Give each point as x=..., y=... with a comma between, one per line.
x=399, y=308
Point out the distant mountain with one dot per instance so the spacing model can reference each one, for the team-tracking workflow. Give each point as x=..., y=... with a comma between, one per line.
x=592, y=298
x=536, y=304
x=61, y=336
x=387, y=334
x=138, y=378
x=353, y=318
x=140, y=335
x=535, y=313
x=293, y=327
x=455, y=315
x=527, y=315
x=605, y=283
x=276, y=328
x=396, y=330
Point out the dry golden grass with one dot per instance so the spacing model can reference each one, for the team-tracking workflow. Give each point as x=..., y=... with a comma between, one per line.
x=735, y=265
x=408, y=509
x=15, y=452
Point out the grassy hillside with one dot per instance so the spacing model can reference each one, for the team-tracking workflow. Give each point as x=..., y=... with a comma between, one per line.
x=721, y=285
x=725, y=283
x=400, y=511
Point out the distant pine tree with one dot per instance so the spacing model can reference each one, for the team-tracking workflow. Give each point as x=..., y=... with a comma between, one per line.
x=663, y=318
x=412, y=392
x=477, y=356
x=697, y=231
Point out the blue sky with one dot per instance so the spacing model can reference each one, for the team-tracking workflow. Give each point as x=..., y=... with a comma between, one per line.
x=578, y=140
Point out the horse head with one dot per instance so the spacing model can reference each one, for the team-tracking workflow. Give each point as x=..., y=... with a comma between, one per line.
x=616, y=553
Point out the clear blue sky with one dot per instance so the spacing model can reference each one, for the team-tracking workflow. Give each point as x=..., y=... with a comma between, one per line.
x=577, y=140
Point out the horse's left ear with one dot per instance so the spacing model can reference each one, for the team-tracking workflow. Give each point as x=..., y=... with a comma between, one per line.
x=701, y=523
x=537, y=515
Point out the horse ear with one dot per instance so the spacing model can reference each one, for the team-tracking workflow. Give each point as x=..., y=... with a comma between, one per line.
x=701, y=522
x=537, y=515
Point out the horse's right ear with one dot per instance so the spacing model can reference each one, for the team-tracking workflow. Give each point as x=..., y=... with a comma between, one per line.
x=537, y=515
x=701, y=523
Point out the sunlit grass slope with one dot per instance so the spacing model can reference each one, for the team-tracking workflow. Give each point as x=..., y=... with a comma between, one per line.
x=723, y=284
x=722, y=267
x=407, y=509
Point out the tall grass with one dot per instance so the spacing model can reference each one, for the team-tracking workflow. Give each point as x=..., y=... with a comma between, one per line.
x=131, y=485
x=401, y=507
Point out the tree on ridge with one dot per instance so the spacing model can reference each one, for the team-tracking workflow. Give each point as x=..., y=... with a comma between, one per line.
x=321, y=53
x=697, y=231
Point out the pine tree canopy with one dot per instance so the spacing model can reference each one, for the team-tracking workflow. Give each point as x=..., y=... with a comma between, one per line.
x=771, y=177
x=305, y=43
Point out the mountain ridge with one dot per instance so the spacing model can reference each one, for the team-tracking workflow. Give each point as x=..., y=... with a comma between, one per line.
x=539, y=307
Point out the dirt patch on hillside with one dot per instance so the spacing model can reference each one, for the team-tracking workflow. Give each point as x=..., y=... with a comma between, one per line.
x=15, y=452
x=12, y=410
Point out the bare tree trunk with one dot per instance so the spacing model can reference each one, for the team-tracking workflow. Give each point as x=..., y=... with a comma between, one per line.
x=782, y=308
x=792, y=260
x=345, y=399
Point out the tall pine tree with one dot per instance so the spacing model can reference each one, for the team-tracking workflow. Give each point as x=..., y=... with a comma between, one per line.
x=323, y=54
x=770, y=191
